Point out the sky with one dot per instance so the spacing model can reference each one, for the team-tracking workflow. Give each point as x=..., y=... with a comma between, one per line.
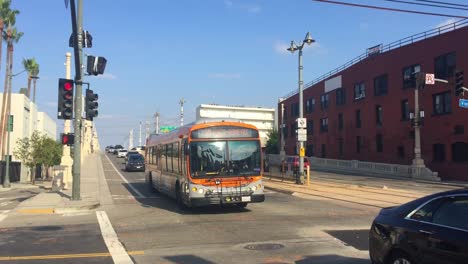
x=227, y=52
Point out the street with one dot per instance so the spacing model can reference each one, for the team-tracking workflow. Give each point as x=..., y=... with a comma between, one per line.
x=148, y=227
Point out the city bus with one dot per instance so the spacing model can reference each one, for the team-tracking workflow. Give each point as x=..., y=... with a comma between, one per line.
x=209, y=162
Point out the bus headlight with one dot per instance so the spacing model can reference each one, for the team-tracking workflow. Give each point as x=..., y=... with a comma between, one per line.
x=194, y=189
x=259, y=186
x=253, y=188
x=200, y=190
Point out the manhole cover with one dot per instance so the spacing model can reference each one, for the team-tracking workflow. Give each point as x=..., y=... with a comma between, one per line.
x=47, y=228
x=266, y=246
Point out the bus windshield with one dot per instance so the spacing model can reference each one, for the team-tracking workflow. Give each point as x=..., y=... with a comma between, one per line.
x=225, y=158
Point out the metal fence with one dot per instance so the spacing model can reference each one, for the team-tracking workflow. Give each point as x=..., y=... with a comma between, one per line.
x=15, y=171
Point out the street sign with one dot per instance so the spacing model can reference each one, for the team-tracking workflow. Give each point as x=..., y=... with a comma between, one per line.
x=301, y=131
x=463, y=103
x=301, y=123
x=301, y=137
x=10, y=124
x=430, y=78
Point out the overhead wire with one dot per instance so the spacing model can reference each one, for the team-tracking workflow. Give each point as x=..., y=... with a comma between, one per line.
x=421, y=4
x=439, y=2
x=389, y=9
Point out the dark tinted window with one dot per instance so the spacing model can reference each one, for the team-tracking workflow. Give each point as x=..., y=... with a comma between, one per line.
x=381, y=85
x=452, y=212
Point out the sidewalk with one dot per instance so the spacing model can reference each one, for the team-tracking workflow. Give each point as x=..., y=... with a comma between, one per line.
x=94, y=192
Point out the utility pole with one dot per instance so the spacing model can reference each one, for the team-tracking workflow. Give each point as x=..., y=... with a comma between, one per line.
x=130, y=140
x=156, y=124
x=139, y=139
x=181, y=102
x=77, y=26
x=418, y=161
x=282, y=152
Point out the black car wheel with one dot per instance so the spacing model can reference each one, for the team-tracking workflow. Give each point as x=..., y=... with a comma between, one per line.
x=400, y=258
x=242, y=205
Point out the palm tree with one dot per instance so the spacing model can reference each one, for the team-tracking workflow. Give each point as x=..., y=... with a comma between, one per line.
x=6, y=15
x=11, y=36
x=29, y=65
x=35, y=74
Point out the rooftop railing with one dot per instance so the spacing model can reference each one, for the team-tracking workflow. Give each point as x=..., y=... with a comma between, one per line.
x=384, y=48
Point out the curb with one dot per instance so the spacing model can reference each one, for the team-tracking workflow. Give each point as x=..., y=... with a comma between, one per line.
x=279, y=190
x=58, y=210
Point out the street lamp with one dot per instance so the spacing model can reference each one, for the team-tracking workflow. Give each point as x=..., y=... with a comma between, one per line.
x=307, y=40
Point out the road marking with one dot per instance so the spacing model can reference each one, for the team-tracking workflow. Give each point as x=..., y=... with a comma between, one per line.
x=4, y=215
x=5, y=203
x=116, y=249
x=36, y=211
x=140, y=195
x=66, y=256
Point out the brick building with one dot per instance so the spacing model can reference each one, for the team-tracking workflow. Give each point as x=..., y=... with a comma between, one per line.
x=362, y=110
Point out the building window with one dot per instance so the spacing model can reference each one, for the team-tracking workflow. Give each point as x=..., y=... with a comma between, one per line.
x=442, y=103
x=310, y=127
x=341, y=146
x=285, y=131
x=358, y=118
x=381, y=85
x=379, y=142
x=358, y=144
x=310, y=150
x=324, y=124
x=324, y=152
x=438, y=151
x=293, y=130
x=340, y=121
x=295, y=109
x=444, y=66
x=379, y=115
x=359, y=91
x=401, y=152
x=310, y=105
x=405, y=110
x=460, y=152
x=459, y=130
x=324, y=99
x=340, y=96
x=409, y=76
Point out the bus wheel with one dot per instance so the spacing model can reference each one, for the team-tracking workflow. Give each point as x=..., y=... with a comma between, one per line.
x=180, y=202
x=242, y=205
x=150, y=183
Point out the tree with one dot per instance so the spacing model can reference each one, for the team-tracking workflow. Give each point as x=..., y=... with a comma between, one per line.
x=29, y=66
x=39, y=150
x=272, y=143
x=8, y=16
x=35, y=73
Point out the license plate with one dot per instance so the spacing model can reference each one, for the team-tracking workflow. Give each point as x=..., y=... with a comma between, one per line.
x=246, y=199
x=138, y=167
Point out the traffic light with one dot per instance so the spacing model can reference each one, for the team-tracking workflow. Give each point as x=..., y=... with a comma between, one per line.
x=65, y=99
x=458, y=82
x=91, y=104
x=96, y=65
x=68, y=139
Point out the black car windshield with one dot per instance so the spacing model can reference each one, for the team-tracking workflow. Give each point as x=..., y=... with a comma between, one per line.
x=225, y=158
x=135, y=158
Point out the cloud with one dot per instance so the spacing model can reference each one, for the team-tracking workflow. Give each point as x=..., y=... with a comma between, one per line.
x=225, y=75
x=107, y=76
x=281, y=47
x=446, y=22
x=254, y=9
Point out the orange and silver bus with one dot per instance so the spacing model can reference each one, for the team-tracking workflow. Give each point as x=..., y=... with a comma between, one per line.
x=209, y=162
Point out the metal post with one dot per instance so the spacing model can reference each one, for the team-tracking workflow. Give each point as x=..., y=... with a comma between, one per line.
x=139, y=139
x=6, y=181
x=418, y=161
x=77, y=21
x=282, y=152
x=181, y=102
x=300, y=175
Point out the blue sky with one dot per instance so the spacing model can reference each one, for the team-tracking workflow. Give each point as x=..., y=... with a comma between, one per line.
x=206, y=51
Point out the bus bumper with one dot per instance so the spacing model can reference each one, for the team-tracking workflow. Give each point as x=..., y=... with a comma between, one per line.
x=205, y=201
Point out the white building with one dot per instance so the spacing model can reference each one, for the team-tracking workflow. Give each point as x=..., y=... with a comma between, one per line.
x=26, y=120
x=262, y=118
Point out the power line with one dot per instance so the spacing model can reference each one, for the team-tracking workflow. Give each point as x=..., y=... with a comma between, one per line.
x=389, y=9
x=445, y=3
x=421, y=4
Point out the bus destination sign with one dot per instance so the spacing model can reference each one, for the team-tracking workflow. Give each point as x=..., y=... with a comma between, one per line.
x=224, y=132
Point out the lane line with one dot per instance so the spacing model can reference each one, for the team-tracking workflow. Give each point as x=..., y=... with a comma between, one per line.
x=140, y=195
x=116, y=249
x=4, y=215
x=66, y=256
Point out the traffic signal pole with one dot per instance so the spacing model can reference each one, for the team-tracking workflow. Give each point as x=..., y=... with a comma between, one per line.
x=77, y=26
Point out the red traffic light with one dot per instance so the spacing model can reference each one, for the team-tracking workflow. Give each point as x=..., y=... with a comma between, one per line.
x=68, y=139
x=68, y=86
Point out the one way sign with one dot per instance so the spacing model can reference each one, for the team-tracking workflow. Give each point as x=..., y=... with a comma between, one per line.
x=463, y=103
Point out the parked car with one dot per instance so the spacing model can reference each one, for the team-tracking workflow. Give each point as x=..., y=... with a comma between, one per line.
x=110, y=149
x=117, y=148
x=294, y=163
x=121, y=153
x=432, y=229
x=131, y=152
x=135, y=162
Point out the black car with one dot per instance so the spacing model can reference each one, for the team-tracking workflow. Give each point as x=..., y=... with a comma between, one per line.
x=135, y=162
x=432, y=229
